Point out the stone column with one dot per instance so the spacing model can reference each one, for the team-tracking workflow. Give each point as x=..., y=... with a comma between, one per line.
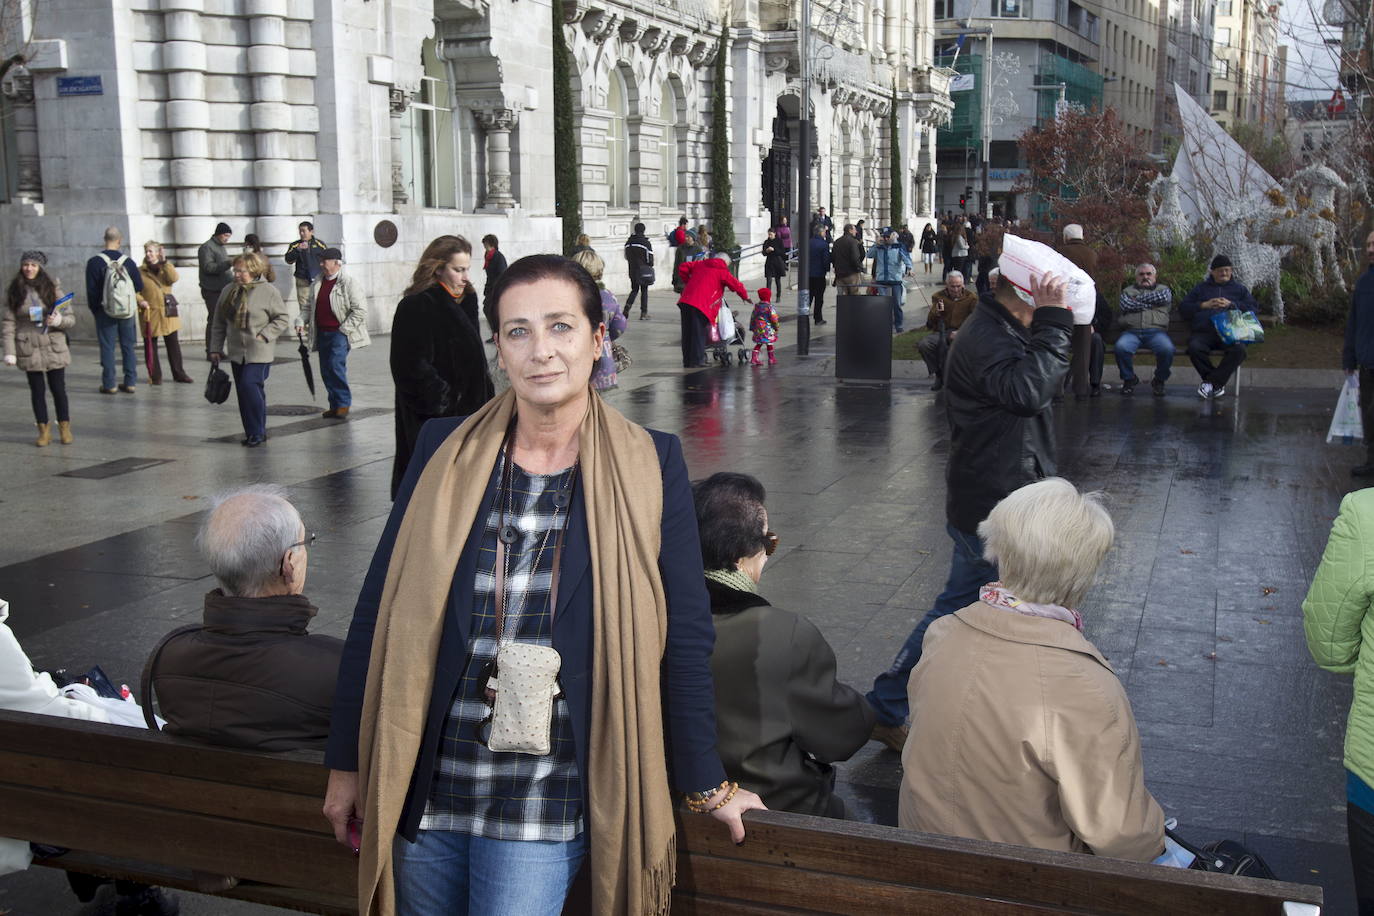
x=19, y=89
x=496, y=124
x=400, y=99
x=188, y=120
x=269, y=62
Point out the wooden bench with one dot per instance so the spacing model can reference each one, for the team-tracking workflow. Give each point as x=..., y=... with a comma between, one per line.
x=150, y=808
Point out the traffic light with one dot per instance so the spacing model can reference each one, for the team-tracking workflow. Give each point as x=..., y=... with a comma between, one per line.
x=963, y=202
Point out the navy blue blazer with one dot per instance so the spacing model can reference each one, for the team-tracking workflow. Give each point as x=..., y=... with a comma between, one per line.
x=688, y=694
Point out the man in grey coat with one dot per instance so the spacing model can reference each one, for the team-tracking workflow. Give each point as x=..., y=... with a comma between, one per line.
x=216, y=272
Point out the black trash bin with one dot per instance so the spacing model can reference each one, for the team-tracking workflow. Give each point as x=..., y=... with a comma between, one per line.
x=863, y=337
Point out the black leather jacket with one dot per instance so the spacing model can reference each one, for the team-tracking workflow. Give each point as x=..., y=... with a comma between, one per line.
x=999, y=381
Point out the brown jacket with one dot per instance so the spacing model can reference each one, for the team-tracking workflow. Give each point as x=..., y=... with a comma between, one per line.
x=157, y=283
x=955, y=310
x=1077, y=250
x=34, y=350
x=251, y=676
x=1021, y=733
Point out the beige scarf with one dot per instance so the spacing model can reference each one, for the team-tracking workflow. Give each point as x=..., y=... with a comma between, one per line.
x=633, y=849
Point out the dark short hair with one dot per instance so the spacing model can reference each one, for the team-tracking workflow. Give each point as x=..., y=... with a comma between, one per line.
x=535, y=267
x=639, y=228
x=682, y=221
x=729, y=518
x=306, y=224
x=490, y=239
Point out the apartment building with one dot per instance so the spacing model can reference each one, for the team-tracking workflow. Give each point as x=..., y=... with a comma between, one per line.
x=1249, y=65
x=1185, y=29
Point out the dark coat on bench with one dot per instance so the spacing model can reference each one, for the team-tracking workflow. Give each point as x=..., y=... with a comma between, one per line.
x=1199, y=318
x=251, y=677
x=781, y=714
x=688, y=722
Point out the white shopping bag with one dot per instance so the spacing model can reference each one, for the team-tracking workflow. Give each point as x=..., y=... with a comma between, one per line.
x=725, y=324
x=1346, y=425
x=1023, y=259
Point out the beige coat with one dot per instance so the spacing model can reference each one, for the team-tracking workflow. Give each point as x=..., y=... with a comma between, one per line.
x=34, y=350
x=349, y=305
x=157, y=283
x=1021, y=733
x=267, y=319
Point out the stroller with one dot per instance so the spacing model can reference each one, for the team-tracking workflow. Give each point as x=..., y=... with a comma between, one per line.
x=727, y=332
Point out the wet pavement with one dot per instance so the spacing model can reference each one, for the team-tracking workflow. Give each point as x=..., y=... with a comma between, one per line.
x=1222, y=512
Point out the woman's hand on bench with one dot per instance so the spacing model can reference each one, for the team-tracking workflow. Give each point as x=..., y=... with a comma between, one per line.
x=341, y=803
x=732, y=815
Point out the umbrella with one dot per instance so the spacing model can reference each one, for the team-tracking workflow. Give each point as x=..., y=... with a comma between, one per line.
x=148, y=347
x=304, y=351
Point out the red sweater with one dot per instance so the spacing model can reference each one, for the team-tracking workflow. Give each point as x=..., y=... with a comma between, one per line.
x=706, y=283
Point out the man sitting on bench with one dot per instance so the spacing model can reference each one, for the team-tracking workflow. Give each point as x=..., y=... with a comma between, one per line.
x=250, y=676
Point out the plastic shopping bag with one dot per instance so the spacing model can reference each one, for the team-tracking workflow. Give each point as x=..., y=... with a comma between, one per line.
x=1023, y=259
x=1236, y=326
x=725, y=324
x=1346, y=425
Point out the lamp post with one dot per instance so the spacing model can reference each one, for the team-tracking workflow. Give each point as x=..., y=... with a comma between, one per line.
x=804, y=185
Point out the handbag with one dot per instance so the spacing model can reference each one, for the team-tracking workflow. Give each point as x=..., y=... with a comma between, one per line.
x=526, y=684
x=1237, y=326
x=725, y=324
x=170, y=305
x=621, y=357
x=1226, y=857
x=218, y=386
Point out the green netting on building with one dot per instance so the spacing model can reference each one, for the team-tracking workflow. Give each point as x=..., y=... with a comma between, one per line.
x=966, y=125
x=1081, y=85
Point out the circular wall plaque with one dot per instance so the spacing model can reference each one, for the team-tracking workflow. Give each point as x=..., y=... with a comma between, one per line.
x=385, y=233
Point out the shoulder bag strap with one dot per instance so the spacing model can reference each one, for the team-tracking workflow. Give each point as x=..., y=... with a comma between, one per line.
x=145, y=692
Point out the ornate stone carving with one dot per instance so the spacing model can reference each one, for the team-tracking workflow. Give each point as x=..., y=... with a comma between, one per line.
x=600, y=25
x=497, y=123
x=655, y=41
x=631, y=30
x=400, y=101
x=701, y=53
x=496, y=119
x=772, y=63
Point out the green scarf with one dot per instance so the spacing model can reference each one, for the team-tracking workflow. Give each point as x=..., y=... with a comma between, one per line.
x=736, y=578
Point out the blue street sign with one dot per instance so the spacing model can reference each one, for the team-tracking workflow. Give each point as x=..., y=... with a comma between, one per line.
x=79, y=85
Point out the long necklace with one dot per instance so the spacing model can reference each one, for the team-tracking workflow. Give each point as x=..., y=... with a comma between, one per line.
x=509, y=534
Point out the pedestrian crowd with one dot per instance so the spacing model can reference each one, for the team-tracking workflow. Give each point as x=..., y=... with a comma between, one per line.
x=560, y=632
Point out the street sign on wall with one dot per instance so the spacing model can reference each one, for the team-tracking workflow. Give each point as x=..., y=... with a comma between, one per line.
x=79, y=85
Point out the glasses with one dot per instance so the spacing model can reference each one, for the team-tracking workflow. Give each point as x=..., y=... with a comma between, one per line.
x=770, y=543
x=308, y=542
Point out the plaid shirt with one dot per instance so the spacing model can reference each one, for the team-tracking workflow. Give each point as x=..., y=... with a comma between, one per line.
x=509, y=796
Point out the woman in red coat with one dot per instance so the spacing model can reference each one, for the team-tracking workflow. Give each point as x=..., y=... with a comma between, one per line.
x=702, y=295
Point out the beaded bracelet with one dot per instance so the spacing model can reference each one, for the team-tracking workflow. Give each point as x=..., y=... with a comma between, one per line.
x=697, y=801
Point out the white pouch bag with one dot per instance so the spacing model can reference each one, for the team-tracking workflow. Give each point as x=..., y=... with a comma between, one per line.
x=1023, y=259
x=525, y=684
x=725, y=324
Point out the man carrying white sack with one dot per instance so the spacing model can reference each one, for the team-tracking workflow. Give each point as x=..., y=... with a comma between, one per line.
x=1009, y=361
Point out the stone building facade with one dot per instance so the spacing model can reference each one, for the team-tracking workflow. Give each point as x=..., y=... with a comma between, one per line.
x=389, y=122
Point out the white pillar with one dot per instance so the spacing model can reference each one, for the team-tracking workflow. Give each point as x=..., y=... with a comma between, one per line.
x=188, y=119
x=496, y=124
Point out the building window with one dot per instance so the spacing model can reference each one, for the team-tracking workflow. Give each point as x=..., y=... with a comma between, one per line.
x=617, y=143
x=1221, y=68
x=1010, y=9
x=1223, y=7
x=1219, y=100
x=944, y=9
x=1222, y=38
x=1170, y=68
x=430, y=162
x=667, y=147
x=1192, y=83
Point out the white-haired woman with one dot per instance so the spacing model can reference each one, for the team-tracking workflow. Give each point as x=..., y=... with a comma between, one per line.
x=1020, y=730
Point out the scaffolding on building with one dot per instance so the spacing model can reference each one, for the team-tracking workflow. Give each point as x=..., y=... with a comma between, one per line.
x=1082, y=87
x=965, y=127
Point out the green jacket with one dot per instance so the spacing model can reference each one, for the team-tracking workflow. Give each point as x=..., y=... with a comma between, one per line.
x=1337, y=621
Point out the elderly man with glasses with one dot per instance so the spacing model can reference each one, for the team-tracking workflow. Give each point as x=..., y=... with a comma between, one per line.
x=250, y=675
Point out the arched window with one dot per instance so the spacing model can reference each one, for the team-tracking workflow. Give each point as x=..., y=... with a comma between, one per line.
x=617, y=143
x=429, y=163
x=667, y=147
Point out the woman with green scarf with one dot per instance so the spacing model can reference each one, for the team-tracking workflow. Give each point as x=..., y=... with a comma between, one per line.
x=249, y=318
x=782, y=718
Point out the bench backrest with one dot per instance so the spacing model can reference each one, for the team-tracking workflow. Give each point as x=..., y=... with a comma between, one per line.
x=125, y=792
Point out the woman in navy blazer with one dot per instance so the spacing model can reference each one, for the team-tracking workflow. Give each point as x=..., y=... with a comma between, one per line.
x=689, y=722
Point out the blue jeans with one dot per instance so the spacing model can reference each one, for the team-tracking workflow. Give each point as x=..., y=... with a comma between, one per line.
x=333, y=349
x=457, y=874
x=250, y=385
x=968, y=572
x=898, y=293
x=108, y=330
x=1157, y=339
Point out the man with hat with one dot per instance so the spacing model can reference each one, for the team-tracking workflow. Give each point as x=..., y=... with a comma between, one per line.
x=890, y=264
x=1217, y=292
x=337, y=322
x=216, y=273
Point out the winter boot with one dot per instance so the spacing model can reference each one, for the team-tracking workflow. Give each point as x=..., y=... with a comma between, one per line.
x=755, y=360
x=772, y=360
x=64, y=431
x=43, y=436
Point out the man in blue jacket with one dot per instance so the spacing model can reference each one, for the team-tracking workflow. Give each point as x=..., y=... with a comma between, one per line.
x=1359, y=354
x=110, y=330
x=818, y=266
x=890, y=266
x=1214, y=294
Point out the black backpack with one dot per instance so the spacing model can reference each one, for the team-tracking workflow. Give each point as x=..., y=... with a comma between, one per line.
x=1226, y=857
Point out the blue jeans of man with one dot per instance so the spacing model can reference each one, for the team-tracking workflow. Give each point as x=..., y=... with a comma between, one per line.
x=250, y=384
x=333, y=349
x=458, y=874
x=898, y=293
x=968, y=572
x=1157, y=339
x=124, y=331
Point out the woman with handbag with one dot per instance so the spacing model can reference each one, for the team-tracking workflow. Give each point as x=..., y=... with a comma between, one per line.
x=34, y=327
x=159, y=313
x=249, y=318
x=605, y=375
x=438, y=361
x=543, y=552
